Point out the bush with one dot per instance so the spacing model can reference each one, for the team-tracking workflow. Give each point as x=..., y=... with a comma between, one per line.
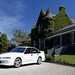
x=66, y=59
x=49, y=57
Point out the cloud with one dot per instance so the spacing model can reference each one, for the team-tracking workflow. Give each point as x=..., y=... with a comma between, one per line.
x=6, y=21
x=8, y=24
x=19, y=5
x=13, y=7
x=11, y=16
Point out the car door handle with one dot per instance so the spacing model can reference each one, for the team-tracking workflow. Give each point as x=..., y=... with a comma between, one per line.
x=37, y=53
x=31, y=54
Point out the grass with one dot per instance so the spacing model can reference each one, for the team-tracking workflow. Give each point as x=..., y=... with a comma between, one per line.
x=49, y=57
x=68, y=59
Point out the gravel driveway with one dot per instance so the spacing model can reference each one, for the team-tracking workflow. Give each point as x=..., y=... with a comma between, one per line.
x=43, y=69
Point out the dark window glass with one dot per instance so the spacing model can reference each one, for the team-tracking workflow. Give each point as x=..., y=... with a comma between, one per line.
x=21, y=50
x=35, y=50
x=28, y=50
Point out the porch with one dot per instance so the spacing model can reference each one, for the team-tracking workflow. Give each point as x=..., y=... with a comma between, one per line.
x=62, y=37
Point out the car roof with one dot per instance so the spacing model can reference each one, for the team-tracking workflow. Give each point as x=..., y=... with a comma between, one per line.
x=25, y=47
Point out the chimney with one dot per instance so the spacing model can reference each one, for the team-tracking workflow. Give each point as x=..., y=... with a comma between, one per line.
x=62, y=8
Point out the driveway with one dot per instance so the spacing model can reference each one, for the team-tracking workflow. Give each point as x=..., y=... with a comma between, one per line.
x=43, y=69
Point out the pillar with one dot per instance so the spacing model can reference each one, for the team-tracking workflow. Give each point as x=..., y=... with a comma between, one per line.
x=72, y=38
x=44, y=43
x=60, y=39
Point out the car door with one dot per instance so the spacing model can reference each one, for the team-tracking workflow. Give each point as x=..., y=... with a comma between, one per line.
x=27, y=58
x=35, y=54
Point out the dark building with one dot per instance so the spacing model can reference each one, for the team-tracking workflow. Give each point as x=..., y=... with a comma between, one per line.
x=63, y=40
x=46, y=25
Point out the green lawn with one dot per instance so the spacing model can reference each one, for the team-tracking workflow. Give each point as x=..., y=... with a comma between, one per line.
x=66, y=59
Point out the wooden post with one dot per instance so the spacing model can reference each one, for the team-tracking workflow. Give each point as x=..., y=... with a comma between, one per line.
x=72, y=38
x=60, y=39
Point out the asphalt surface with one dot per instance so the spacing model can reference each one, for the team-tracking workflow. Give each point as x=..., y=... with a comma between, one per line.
x=34, y=69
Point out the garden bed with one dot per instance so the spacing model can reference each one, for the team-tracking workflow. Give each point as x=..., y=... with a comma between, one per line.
x=62, y=59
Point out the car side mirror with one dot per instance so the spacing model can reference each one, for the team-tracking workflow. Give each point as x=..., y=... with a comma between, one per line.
x=38, y=52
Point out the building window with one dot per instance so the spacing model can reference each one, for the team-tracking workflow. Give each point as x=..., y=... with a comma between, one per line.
x=39, y=28
x=44, y=43
x=39, y=43
x=74, y=36
x=34, y=43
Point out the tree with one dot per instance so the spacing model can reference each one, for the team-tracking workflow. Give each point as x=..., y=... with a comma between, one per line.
x=19, y=37
x=11, y=46
x=3, y=43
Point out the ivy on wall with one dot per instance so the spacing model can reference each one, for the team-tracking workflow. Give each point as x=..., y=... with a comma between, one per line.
x=50, y=23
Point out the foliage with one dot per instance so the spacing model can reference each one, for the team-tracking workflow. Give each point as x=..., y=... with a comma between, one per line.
x=3, y=43
x=59, y=21
x=26, y=43
x=49, y=57
x=48, y=11
x=62, y=8
x=48, y=24
x=68, y=59
x=52, y=26
x=19, y=36
x=19, y=33
x=42, y=12
x=34, y=27
x=11, y=47
x=62, y=20
x=41, y=16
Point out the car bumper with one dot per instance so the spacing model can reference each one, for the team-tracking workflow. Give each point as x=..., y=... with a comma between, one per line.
x=7, y=62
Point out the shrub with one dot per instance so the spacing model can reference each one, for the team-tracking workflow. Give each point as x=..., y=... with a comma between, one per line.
x=49, y=57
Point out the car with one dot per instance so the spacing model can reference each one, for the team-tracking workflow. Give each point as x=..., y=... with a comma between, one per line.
x=22, y=55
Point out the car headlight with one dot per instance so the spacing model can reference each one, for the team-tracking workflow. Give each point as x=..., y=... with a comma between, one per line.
x=5, y=57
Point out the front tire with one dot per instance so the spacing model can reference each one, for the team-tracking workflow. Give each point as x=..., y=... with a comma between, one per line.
x=17, y=62
x=39, y=61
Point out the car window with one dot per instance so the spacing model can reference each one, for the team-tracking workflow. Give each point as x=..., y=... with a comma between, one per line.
x=35, y=50
x=21, y=50
x=28, y=51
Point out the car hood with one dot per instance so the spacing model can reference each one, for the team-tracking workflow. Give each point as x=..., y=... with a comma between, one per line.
x=10, y=54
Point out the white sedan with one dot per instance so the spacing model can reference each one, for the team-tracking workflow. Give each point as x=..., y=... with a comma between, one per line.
x=22, y=55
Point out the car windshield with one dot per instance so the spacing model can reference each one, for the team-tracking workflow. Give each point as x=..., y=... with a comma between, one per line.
x=21, y=50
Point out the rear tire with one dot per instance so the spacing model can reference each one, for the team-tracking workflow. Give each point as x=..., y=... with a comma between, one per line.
x=39, y=61
x=17, y=62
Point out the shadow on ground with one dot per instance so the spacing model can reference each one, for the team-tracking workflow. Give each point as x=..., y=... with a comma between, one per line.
x=8, y=67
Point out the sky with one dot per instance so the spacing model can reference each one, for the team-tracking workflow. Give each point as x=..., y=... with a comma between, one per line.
x=23, y=14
